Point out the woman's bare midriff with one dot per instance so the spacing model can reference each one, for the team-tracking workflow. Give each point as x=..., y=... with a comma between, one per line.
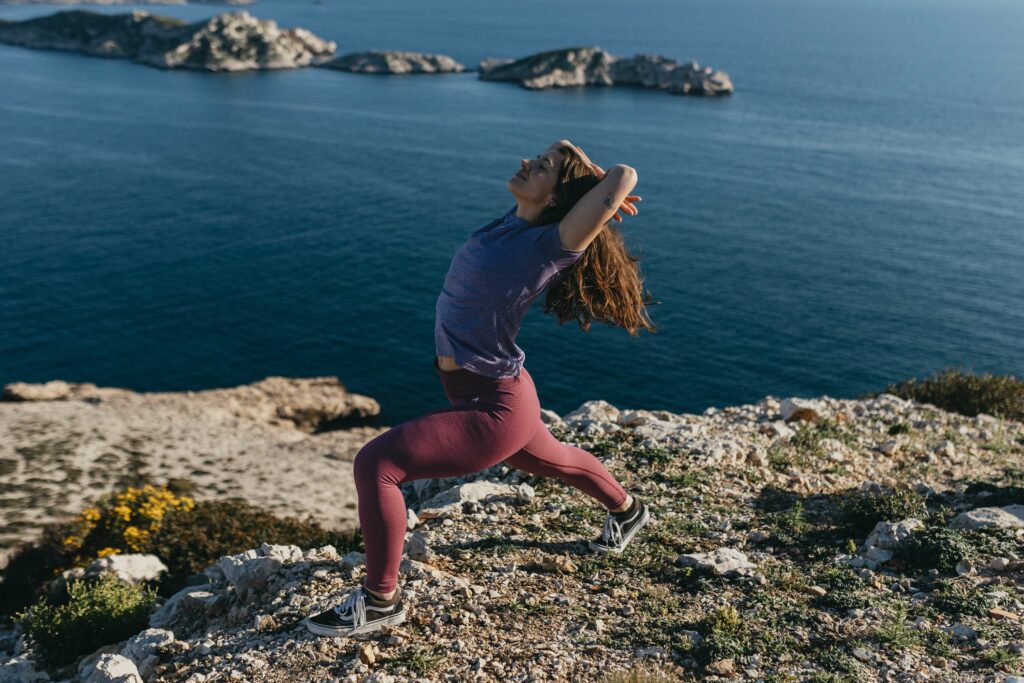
x=447, y=363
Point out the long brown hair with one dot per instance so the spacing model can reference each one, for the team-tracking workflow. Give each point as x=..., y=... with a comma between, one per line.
x=605, y=283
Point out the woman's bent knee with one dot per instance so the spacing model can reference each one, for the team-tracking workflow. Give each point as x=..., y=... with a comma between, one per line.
x=373, y=464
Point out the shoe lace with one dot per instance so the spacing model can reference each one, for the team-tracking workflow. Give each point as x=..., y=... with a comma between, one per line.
x=355, y=606
x=612, y=532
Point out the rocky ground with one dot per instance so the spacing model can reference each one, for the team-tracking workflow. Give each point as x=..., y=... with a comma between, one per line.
x=63, y=445
x=749, y=569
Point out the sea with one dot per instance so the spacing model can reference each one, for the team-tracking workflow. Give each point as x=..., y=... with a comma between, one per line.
x=853, y=215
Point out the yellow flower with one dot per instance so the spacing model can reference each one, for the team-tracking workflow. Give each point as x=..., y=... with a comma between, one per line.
x=124, y=512
x=90, y=514
x=71, y=540
x=136, y=538
x=107, y=551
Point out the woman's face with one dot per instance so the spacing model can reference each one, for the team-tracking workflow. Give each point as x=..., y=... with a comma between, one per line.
x=535, y=181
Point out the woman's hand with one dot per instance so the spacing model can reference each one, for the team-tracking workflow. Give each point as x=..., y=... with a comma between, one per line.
x=627, y=206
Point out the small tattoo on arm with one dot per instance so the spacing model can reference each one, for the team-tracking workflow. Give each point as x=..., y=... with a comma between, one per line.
x=608, y=199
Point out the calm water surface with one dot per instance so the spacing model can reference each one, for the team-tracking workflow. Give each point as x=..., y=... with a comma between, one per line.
x=853, y=215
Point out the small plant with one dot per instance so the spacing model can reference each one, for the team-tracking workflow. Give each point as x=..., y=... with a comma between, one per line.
x=845, y=589
x=835, y=660
x=722, y=638
x=421, y=660
x=791, y=524
x=935, y=547
x=959, y=599
x=896, y=632
x=97, y=613
x=1001, y=658
x=639, y=673
x=900, y=428
x=863, y=511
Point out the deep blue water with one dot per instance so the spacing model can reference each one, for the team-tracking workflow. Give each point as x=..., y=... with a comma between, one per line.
x=853, y=215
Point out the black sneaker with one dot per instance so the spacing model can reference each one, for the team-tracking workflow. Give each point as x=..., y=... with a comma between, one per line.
x=619, y=528
x=359, y=612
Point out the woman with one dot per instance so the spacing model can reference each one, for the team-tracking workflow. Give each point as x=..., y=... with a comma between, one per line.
x=553, y=239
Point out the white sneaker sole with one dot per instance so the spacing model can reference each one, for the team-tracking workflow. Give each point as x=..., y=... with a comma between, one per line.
x=644, y=518
x=320, y=630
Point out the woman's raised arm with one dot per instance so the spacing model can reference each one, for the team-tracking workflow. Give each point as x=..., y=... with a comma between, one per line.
x=591, y=214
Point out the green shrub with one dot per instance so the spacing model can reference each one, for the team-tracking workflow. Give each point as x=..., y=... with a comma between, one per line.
x=722, y=639
x=966, y=393
x=863, y=511
x=895, y=631
x=791, y=525
x=845, y=589
x=188, y=541
x=97, y=613
x=958, y=599
x=935, y=547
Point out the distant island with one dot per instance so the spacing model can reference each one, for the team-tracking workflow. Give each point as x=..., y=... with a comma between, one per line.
x=394, y=62
x=127, y=2
x=594, y=66
x=238, y=41
x=233, y=41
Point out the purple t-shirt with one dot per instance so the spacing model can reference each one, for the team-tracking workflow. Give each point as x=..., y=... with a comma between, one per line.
x=493, y=279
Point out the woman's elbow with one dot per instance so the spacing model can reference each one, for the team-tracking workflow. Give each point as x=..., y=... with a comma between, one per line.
x=626, y=169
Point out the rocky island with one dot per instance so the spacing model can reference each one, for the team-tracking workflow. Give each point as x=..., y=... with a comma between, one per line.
x=394, y=62
x=592, y=66
x=127, y=2
x=233, y=41
x=818, y=539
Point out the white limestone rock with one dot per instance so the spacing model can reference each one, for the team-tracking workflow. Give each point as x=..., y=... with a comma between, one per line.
x=21, y=669
x=352, y=559
x=592, y=412
x=802, y=409
x=1007, y=517
x=888, y=535
x=112, y=668
x=145, y=644
x=132, y=567
x=417, y=548
x=253, y=567
x=724, y=562
x=450, y=502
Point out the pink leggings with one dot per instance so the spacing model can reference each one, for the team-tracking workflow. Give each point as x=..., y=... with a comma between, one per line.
x=489, y=421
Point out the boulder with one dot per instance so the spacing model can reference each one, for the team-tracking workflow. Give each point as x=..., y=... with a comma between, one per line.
x=175, y=613
x=450, y=502
x=416, y=547
x=801, y=409
x=113, y=668
x=132, y=567
x=1009, y=516
x=888, y=535
x=724, y=562
x=21, y=669
x=146, y=644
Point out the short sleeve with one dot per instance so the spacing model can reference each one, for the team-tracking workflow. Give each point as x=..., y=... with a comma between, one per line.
x=552, y=251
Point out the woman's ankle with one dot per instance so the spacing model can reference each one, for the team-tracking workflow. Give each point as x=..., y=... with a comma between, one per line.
x=380, y=596
x=625, y=506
